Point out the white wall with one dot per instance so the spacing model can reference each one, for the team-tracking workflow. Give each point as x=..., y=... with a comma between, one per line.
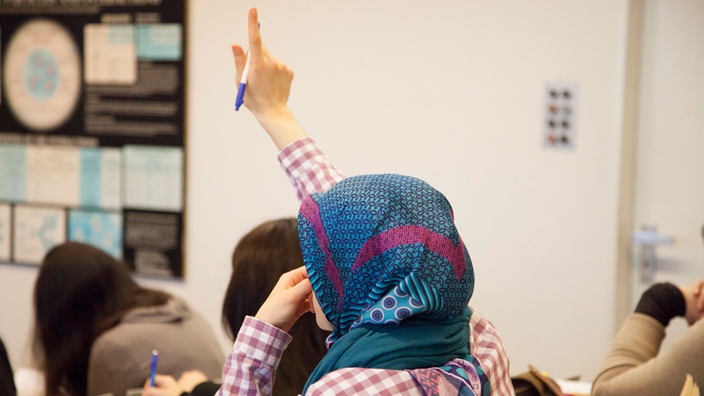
x=669, y=193
x=450, y=92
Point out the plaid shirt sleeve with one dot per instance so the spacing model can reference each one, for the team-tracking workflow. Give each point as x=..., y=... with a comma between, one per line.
x=308, y=168
x=251, y=367
x=486, y=345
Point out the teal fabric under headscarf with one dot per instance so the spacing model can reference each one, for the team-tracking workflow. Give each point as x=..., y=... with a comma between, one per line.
x=425, y=344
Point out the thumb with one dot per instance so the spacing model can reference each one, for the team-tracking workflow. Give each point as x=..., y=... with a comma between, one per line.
x=240, y=61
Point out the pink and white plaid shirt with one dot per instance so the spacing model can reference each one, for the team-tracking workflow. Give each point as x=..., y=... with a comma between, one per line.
x=308, y=168
x=251, y=367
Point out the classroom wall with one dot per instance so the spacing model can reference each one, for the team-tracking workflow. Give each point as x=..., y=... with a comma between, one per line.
x=448, y=91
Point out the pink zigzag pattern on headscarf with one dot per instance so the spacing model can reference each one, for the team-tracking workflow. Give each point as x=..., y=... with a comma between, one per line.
x=311, y=212
x=409, y=234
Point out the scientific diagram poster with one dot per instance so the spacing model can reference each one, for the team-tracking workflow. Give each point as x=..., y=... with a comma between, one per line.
x=92, y=130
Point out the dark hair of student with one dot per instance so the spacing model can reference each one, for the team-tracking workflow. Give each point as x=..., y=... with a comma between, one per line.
x=260, y=258
x=80, y=293
x=7, y=381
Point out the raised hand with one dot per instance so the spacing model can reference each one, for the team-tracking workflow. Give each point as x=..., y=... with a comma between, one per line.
x=268, y=87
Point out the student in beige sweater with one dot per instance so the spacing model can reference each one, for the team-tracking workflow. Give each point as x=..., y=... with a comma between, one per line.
x=96, y=328
x=633, y=366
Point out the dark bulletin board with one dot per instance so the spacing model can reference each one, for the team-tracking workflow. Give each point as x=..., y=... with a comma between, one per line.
x=92, y=115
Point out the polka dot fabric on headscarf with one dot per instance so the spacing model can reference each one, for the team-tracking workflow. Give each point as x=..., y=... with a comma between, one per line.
x=380, y=249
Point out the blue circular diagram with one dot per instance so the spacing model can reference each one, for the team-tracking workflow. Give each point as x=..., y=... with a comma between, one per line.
x=41, y=74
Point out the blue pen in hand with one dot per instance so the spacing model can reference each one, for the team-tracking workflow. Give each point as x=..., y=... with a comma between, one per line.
x=155, y=357
x=243, y=81
x=243, y=84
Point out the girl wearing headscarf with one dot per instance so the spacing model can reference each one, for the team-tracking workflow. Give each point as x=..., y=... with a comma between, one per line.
x=390, y=276
x=386, y=272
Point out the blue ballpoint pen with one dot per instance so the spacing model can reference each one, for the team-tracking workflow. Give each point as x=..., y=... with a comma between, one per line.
x=155, y=357
x=243, y=84
x=243, y=81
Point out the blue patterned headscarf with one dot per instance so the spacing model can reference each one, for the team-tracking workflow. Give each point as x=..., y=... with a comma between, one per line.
x=380, y=249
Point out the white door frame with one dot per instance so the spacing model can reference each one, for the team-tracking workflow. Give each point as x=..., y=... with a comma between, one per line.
x=627, y=177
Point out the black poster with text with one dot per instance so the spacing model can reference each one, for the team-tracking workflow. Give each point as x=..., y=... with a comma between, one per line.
x=92, y=115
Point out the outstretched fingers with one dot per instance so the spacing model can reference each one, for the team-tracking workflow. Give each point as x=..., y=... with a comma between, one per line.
x=255, y=38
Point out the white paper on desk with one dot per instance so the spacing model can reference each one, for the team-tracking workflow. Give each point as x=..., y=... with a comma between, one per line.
x=29, y=382
x=575, y=387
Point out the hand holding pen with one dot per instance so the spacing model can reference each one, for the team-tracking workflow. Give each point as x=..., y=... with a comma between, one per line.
x=149, y=387
x=268, y=86
x=268, y=79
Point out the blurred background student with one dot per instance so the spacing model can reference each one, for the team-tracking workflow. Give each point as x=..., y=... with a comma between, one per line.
x=96, y=328
x=260, y=258
x=633, y=365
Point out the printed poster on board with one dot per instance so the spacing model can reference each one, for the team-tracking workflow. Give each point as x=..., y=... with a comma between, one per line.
x=92, y=130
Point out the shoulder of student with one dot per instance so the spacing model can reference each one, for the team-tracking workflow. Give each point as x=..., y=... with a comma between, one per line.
x=184, y=339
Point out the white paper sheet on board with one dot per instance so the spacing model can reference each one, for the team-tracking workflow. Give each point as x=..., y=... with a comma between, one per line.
x=36, y=231
x=5, y=232
x=111, y=178
x=100, y=178
x=100, y=229
x=110, y=54
x=160, y=42
x=13, y=172
x=53, y=175
x=153, y=178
